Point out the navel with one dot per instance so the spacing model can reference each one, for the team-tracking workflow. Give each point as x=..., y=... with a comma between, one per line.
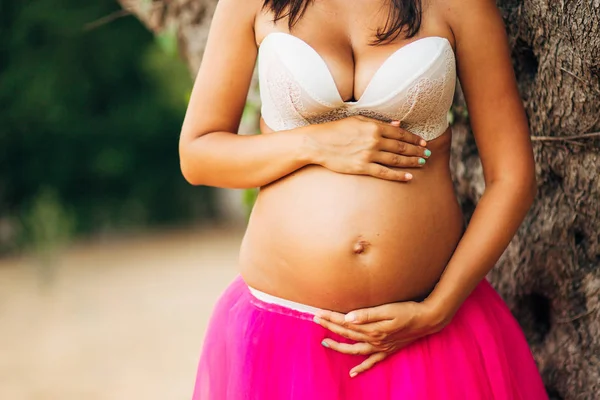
x=361, y=246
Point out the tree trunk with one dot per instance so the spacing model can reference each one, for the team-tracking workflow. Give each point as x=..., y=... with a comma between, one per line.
x=549, y=275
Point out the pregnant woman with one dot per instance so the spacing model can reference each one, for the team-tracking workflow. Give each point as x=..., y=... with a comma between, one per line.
x=359, y=278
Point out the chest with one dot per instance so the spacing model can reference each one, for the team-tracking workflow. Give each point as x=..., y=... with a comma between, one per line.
x=315, y=75
x=341, y=33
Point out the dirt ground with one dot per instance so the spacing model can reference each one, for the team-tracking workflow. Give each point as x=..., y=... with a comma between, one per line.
x=121, y=319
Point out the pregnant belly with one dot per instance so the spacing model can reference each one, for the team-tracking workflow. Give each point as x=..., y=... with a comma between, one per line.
x=343, y=242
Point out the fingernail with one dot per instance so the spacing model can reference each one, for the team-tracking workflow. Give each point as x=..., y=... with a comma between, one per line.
x=350, y=317
x=353, y=374
x=324, y=343
x=408, y=176
x=421, y=161
x=427, y=152
x=396, y=123
x=423, y=143
x=317, y=319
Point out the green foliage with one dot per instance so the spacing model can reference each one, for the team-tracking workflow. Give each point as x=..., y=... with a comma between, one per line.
x=456, y=113
x=249, y=197
x=47, y=228
x=450, y=116
x=93, y=116
x=251, y=110
x=47, y=224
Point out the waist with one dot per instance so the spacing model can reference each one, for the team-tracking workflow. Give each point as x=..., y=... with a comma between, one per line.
x=267, y=300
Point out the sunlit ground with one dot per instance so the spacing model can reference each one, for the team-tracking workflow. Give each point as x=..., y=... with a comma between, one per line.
x=121, y=319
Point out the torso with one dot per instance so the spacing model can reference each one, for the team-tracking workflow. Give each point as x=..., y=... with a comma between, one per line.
x=339, y=241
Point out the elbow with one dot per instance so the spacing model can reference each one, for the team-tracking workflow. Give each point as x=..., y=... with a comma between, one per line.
x=188, y=174
x=527, y=188
x=188, y=164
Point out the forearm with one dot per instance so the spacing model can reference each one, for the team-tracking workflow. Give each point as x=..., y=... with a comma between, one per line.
x=228, y=160
x=496, y=218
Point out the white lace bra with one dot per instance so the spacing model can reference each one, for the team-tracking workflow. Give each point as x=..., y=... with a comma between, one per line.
x=415, y=85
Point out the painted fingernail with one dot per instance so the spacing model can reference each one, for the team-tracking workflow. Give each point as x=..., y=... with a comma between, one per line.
x=324, y=343
x=353, y=374
x=423, y=143
x=408, y=176
x=427, y=152
x=421, y=161
x=350, y=317
x=317, y=319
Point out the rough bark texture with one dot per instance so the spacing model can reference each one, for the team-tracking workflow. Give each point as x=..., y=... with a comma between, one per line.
x=550, y=274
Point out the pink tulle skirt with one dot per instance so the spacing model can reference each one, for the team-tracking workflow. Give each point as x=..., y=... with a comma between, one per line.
x=260, y=350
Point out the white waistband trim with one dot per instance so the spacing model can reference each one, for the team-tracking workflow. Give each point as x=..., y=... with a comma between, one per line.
x=267, y=298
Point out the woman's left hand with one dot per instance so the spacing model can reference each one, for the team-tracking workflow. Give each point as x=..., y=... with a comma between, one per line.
x=380, y=331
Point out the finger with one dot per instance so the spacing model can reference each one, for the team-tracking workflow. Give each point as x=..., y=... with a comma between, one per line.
x=342, y=331
x=360, y=348
x=376, y=331
x=383, y=172
x=396, y=160
x=403, y=148
x=418, y=140
x=372, y=329
x=371, y=314
x=368, y=363
x=403, y=134
x=332, y=316
x=394, y=131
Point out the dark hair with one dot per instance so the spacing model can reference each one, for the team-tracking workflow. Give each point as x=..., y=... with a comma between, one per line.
x=402, y=13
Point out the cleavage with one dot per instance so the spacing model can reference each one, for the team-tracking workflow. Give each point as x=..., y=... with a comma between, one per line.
x=350, y=78
x=347, y=69
x=343, y=70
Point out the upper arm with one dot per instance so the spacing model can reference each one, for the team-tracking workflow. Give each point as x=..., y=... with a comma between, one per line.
x=221, y=86
x=486, y=74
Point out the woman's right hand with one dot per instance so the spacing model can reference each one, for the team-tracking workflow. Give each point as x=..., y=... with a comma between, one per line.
x=365, y=146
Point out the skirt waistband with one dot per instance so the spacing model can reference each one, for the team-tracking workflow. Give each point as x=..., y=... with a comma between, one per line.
x=278, y=301
x=288, y=307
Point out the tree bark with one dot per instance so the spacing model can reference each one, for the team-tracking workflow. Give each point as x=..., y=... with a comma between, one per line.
x=549, y=275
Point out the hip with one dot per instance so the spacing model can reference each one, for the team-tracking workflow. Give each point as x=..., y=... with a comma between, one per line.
x=481, y=354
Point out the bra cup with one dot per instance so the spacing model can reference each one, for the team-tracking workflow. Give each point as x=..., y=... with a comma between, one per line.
x=304, y=64
x=430, y=97
x=414, y=85
x=285, y=104
x=400, y=70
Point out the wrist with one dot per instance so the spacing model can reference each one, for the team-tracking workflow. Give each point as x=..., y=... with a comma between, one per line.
x=309, y=150
x=438, y=313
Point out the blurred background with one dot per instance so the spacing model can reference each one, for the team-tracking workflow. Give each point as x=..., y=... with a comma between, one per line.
x=110, y=261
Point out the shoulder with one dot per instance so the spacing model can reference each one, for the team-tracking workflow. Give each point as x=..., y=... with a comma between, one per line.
x=242, y=5
x=238, y=11
x=466, y=17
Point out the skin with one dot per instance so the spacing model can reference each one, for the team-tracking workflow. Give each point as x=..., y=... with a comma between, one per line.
x=338, y=224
